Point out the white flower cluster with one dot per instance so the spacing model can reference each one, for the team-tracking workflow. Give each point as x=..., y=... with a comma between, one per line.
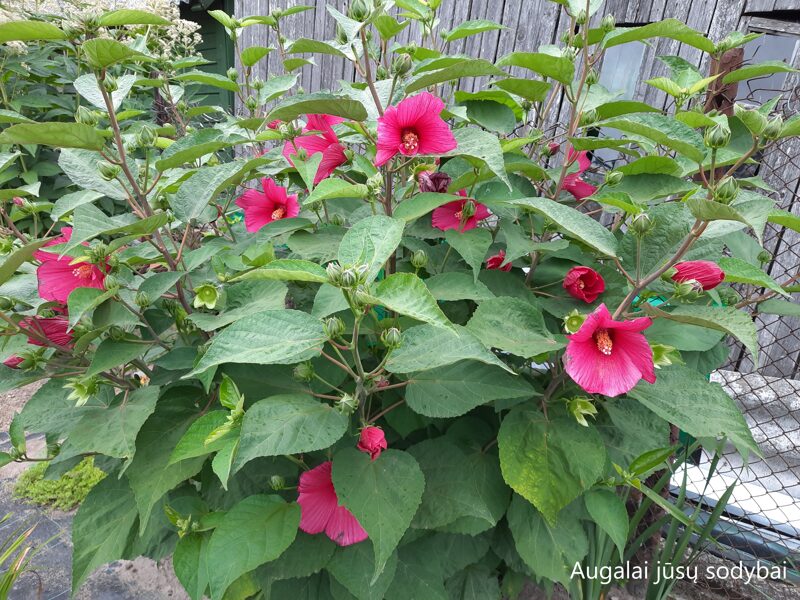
x=179, y=39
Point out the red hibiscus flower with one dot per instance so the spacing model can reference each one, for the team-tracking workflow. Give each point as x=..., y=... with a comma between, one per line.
x=573, y=182
x=609, y=357
x=324, y=140
x=55, y=329
x=13, y=361
x=265, y=207
x=274, y=124
x=706, y=273
x=496, y=262
x=413, y=127
x=320, y=510
x=58, y=275
x=372, y=441
x=451, y=215
x=584, y=283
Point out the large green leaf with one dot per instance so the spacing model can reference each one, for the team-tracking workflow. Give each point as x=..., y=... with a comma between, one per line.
x=371, y=241
x=609, y=514
x=194, y=441
x=472, y=245
x=255, y=531
x=318, y=103
x=60, y=135
x=19, y=257
x=739, y=271
x=353, y=567
x=421, y=204
x=27, y=31
x=244, y=299
x=288, y=424
x=573, y=222
x=512, y=325
x=205, y=185
x=88, y=87
x=702, y=409
x=331, y=188
x=127, y=16
x=663, y=130
x=114, y=353
x=90, y=222
x=559, y=68
x=307, y=555
x=188, y=562
x=455, y=285
x=668, y=28
x=101, y=53
x=458, y=486
x=405, y=293
x=288, y=269
x=475, y=67
x=530, y=89
x=427, y=346
x=102, y=527
x=272, y=337
x=768, y=67
x=383, y=494
x=216, y=80
x=549, y=462
x=454, y=390
x=468, y=28
x=483, y=146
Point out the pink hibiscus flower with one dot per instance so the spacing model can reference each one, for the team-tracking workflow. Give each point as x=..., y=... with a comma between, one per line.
x=265, y=207
x=324, y=140
x=451, y=215
x=707, y=274
x=584, y=283
x=413, y=127
x=609, y=357
x=55, y=329
x=58, y=275
x=372, y=441
x=320, y=510
x=496, y=262
x=573, y=182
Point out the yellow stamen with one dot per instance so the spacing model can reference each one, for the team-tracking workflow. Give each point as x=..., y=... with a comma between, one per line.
x=603, y=341
x=83, y=271
x=278, y=213
x=410, y=141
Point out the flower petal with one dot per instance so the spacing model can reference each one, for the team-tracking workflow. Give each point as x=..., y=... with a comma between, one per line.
x=344, y=529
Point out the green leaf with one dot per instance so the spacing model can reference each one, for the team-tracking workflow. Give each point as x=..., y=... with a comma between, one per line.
x=609, y=514
x=159, y=284
x=468, y=28
x=421, y=204
x=288, y=424
x=559, y=68
x=194, y=146
x=216, y=80
x=193, y=443
x=244, y=299
x=307, y=555
x=272, y=337
x=456, y=389
x=383, y=494
x=90, y=222
x=195, y=193
x=255, y=531
x=124, y=16
x=60, y=135
x=776, y=306
x=19, y=257
x=549, y=462
x=188, y=562
x=318, y=103
x=727, y=319
x=353, y=566
x=530, y=89
x=427, y=347
x=668, y=28
x=476, y=582
x=768, y=67
x=112, y=353
x=458, y=486
x=251, y=55
x=475, y=67
x=388, y=27
x=702, y=409
x=102, y=527
x=9, y=116
x=336, y=188
x=663, y=130
x=69, y=202
x=739, y=271
x=454, y=285
x=28, y=31
x=82, y=169
x=472, y=245
x=512, y=325
x=573, y=222
x=483, y=146
x=87, y=86
x=371, y=241
x=101, y=53
x=306, y=45
x=405, y=293
x=288, y=269
x=84, y=300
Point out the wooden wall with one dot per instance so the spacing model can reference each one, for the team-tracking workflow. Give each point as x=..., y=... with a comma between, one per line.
x=532, y=23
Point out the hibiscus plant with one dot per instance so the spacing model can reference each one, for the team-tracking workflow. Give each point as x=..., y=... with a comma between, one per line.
x=395, y=340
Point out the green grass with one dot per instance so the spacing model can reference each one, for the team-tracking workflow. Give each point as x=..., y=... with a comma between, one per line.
x=64, y=493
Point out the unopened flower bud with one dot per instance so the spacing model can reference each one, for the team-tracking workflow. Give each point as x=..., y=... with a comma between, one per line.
x=362, y=271
x=641, y=224
x=110, y=84
x=764, y=256
x=588, y=117
x=142, y=299
x=206, y=296
x=111, y=283
x=551, y=149
x=614, y=178
x=362, y=296
x=349, y=278
x=419, y=259
x=592, y=77
x=468, y=210
x=6, y=303
x=337, y=220
x=401, y=64
x=391, y=338
x=86, y=116
x=773, y=129
x=374, y=183
x=303, y=372
x=334, y=271
x=108, y=171
x=333, y=327
x=381, y=73
x=609, y=23
x=359, y=10
x=726, y=190
x=347, y=404
x=581, y=17
x=717, y=136
x=251, y=103
x=147, y=136
x=277, y=483
x=688, y=291
x=729, y=296
x=232, y=73
x=573, y=321
x=580, y=408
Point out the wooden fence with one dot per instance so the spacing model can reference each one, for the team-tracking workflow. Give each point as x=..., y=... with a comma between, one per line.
x=533, y=23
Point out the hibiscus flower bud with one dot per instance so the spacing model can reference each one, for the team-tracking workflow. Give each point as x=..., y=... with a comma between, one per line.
x=303, y=372
x=372, y=441
x=362, y=296
x=717, y=136
x=142, y=299
x=664, y=356
x=468, y=210
x=359, y=10
x=401, y=64
x=614, y=178
x=337, y=220
x=773, y=129
x=551, y=149
x=108, y=171
x=349, y=278
x=333, y=327
x=362, y=271
x=81, y=389
x=687, y=291
x=206, y=296
x=110, y=84
x=584, y=283
x=147, y=136
x=729, y=296
x=581, y=17
x=580, y=408
x=592, y=77
x=391, y=338
x=251, y=102
x=111, y=283
x=573, y=321
x=641, y=224
x=609, y=23
x=6, y=303
x=87, y=116
x=588, y=117
x=419, y=259
x=347, y=404
x=277, y=483
x=334, y=271
x=706, y=273
x=764, y=256
x=726, y=190
x=375, y=183
x=434, y=182
x=233, y=74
